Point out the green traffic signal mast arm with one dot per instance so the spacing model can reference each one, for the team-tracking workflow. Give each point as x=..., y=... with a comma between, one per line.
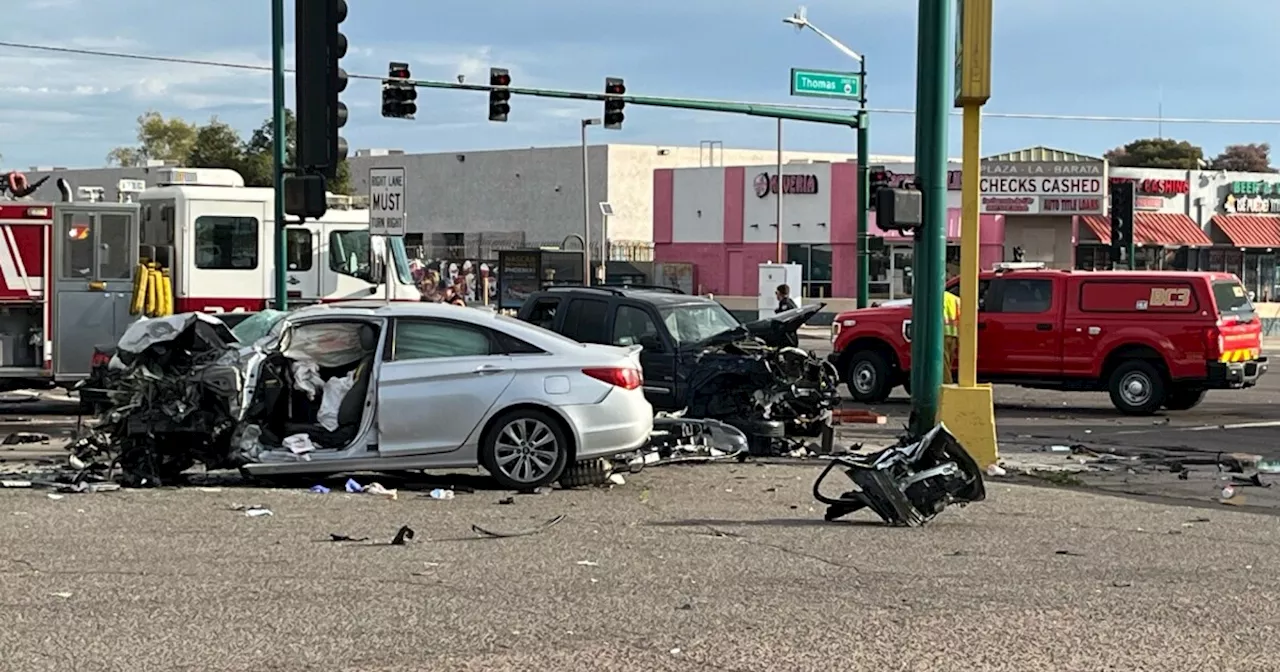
x=770, y=111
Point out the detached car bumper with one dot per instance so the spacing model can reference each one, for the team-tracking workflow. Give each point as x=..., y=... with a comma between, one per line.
x=1232, y=375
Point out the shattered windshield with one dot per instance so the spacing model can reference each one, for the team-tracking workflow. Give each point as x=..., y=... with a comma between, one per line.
x=697, y=322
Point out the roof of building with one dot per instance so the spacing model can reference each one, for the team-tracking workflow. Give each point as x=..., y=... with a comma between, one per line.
x=1042, y=153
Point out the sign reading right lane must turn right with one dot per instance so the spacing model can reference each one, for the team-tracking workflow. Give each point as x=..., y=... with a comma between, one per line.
x=386, y=202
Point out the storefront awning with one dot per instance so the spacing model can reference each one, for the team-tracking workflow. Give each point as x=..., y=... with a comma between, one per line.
x=1250, y=230
x=1159, y=229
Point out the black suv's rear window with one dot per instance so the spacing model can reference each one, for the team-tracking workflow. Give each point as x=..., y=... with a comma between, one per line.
x=1232, y=299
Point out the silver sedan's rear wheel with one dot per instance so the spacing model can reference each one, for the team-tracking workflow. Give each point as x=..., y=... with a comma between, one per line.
x=525, y=449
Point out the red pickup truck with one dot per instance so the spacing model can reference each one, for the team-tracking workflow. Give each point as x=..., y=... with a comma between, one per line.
x=1152, y=339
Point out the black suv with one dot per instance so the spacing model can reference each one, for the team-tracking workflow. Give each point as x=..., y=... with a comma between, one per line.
x=676, y=330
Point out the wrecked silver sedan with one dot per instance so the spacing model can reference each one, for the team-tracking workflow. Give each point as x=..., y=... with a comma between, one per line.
x=367, y=386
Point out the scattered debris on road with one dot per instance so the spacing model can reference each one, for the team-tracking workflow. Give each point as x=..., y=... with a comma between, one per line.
x=342, y=537
x=25, y=438
x=909, y=483
x=404, y=534
x=520, y=533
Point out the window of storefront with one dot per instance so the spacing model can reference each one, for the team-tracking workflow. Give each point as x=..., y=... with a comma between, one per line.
x=815, y=265
x=893, y=269
x=1255, y=268
x=1092, y=257
x=879, y=268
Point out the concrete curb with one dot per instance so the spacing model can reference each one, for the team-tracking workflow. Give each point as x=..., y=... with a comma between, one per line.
x=1041, y=462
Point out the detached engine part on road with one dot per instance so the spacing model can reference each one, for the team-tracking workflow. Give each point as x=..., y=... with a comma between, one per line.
x=907, y=485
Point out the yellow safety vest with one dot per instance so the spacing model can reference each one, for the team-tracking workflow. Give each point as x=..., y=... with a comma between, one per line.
x=950, y=315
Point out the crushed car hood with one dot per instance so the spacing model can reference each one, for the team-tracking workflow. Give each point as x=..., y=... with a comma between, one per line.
x=775, y=330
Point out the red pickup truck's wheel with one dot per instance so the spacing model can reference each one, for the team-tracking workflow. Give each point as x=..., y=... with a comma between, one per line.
x=868, y=377
x=1137, y=387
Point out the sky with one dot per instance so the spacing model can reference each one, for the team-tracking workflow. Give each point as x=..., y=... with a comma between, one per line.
x=1178, y=58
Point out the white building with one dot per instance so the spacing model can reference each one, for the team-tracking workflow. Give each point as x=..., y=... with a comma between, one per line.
x=469, y=204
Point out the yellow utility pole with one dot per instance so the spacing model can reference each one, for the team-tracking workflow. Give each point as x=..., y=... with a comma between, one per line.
x=968, y=409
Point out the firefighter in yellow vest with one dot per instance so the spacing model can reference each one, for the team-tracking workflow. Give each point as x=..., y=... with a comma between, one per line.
x=950, y=335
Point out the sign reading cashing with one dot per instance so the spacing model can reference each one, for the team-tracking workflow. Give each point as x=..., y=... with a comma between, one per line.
x=1050, y=188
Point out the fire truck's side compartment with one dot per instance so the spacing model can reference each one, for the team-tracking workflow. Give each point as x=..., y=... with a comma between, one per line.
x=95, y=253
x=23, y=250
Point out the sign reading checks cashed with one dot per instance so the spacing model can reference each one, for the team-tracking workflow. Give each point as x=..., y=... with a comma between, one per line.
x=1067, y=188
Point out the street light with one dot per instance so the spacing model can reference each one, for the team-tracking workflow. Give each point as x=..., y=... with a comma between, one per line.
x=801, y=21
x=586, y=204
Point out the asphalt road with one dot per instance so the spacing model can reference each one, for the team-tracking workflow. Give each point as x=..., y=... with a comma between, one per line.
x=713, y=567
x=1227, y=420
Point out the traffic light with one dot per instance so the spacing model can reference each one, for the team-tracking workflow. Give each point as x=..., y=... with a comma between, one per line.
x=900, y=209
x=319, y=82
x=1122, y=222
x=398, y=94
x=499, y=100
x=613, y=116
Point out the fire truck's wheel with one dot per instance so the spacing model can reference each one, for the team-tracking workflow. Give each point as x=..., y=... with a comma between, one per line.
x=1137, y=387
x=868, y=377
x=1184, y=398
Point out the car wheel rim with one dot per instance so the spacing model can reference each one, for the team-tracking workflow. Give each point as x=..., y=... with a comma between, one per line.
x=1135, y=389
x=864, y=377
x=526, y=450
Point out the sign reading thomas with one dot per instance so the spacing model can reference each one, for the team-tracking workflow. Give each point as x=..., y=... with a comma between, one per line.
x=386, y=202
x=826, y=84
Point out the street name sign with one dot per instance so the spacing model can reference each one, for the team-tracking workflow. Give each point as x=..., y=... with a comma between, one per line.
x=826, y=84
x=386, y=202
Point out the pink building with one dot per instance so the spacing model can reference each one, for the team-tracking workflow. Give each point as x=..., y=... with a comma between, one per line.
x=722, y=221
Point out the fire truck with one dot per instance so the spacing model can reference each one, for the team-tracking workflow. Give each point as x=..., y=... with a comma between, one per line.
x=75, y=274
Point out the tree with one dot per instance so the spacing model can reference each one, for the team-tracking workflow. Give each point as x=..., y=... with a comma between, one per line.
x=158, y=139
x=217, y=145
x=259, y=160
x=1157, y=153
x=1244, y=158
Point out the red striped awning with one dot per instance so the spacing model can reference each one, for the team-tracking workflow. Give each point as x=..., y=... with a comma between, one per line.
x=1250, y=230
x=1100, y=227
x=1159, y=229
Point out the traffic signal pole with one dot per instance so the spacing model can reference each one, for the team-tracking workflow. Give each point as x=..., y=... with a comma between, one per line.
x=968, y=409
x=768, y=111
x=931, y=238
x=863, y=202
x=278, y=151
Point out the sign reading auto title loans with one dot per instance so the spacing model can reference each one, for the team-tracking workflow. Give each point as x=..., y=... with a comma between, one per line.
x=386, y=201
x=1049, y=188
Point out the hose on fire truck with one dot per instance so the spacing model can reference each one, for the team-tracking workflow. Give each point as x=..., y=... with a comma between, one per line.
x=152, y=291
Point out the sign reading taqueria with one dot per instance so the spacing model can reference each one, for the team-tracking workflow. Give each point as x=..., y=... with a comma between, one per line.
x=1035, y=187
